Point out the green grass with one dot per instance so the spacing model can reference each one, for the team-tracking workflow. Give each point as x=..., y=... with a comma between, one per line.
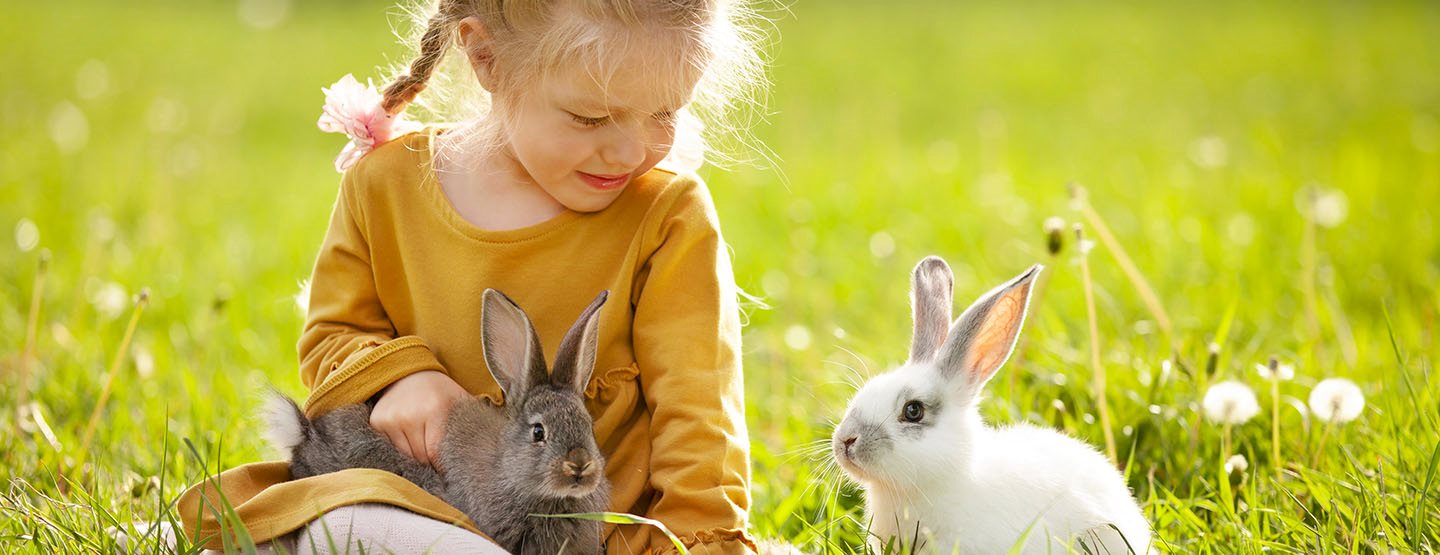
x=902, y=130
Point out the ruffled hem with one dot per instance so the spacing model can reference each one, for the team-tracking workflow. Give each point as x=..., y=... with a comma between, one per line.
x=712, y=536
x=610, y=379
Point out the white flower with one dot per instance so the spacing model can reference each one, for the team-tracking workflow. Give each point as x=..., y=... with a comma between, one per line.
x=354, y=110
x=1236, y=463
x=1086, y=246
x=1283, y=372
x=1230, y=402
x=1336, y=400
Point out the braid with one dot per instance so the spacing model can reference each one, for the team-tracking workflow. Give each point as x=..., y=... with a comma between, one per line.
x=432, y=48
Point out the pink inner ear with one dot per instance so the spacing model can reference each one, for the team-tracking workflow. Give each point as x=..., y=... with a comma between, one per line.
x=996, y=337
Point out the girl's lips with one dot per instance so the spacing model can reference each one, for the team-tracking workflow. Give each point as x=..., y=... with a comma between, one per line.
x=604, y=182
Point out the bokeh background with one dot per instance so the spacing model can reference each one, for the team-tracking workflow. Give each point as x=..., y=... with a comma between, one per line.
x=1272, y=168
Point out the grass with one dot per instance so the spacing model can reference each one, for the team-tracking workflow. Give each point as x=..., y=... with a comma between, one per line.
x=903, y=130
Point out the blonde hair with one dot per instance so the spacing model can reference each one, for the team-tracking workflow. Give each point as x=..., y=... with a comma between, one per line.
x=533, y=39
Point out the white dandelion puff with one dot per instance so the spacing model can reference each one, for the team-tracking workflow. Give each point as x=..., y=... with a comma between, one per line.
x=1230, y=402
x=1336, y=400
x=1283, y=372
x=1236, y=464
x=110, y=300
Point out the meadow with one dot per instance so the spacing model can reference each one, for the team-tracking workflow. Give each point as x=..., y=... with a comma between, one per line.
x=1270, y=169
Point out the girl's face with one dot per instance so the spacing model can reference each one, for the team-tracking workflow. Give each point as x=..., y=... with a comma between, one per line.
x=583, y=139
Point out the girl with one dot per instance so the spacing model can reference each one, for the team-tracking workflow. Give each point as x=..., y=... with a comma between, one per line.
x=551, y=195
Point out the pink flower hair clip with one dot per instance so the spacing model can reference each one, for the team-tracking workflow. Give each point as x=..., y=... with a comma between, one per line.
x=355, y=110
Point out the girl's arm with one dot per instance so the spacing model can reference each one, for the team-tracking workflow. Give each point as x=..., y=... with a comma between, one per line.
x=687, y=344
x=349, y=350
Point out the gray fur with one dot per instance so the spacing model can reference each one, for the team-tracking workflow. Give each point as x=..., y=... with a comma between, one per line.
x=494, y=472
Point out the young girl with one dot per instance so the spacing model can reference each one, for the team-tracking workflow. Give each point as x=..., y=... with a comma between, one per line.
x=551, y=195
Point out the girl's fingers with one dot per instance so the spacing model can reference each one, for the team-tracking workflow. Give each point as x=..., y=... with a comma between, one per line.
x=417, y=444
x=398, y=440
x=433, y=432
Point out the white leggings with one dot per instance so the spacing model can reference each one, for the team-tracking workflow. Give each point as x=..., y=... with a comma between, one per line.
x=377, y=528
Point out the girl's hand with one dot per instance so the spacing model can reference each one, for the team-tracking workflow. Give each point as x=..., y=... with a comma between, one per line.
x=412, y=413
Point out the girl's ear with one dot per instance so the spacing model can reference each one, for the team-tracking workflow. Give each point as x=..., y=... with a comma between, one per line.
x=982, y=339
x=479, y=47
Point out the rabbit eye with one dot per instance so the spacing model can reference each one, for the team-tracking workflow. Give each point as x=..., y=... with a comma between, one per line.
x=914, y=411
x=538, y=433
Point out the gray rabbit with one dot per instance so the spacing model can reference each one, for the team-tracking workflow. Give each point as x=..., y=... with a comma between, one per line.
x=534, y=455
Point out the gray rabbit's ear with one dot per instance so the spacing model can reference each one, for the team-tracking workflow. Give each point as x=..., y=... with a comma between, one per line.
x=984, y=336
x=512, y=348
x=931, y=286
x=575, y=361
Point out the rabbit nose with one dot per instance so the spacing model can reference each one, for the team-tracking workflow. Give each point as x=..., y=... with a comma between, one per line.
x=849, y=441
x=577, y=463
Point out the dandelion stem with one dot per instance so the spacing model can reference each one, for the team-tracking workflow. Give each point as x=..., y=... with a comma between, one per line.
x=1275, y=415
x=32, y=323
x=115, y=365
x=1315, y=457
x=1308, y=256
x=1099, y=369
x=1147, y=294
x=1225, y=442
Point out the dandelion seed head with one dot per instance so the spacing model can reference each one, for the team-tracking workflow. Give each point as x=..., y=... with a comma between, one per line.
x=144, y=362
x=1336, y=400
x=797, y=337
x=1283, y=372
x=1230, y=402
x=1331, y=208
x=1085, y=246
x=27, y=235
x=1236, y=464
x=110, y=299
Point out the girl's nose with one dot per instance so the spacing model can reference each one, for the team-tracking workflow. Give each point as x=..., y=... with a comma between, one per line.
x=626, y=149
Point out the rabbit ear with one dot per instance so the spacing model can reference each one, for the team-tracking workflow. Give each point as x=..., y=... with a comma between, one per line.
x=983, y=337
x=575, y=361
x=931, y=284
x=512, y=348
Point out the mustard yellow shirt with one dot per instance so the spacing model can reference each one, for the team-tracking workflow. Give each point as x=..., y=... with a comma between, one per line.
x=396, y=290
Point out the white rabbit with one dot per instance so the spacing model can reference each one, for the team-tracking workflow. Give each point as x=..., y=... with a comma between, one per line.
x=935, y=475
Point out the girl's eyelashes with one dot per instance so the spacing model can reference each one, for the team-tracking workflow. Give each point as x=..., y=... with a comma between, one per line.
x=665, y=118
x=588, y=122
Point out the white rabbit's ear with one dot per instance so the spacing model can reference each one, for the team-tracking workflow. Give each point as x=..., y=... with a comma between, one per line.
x=576, y=359
x=983, y=337
x=512, y=348
x=931, y=286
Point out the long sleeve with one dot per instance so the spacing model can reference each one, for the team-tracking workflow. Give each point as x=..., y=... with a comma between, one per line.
x=349, y=350
x=687, y=343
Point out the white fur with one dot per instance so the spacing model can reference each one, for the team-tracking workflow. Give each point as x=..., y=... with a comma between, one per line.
x=282, y=427
x=978, y=489
x=961, y=486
